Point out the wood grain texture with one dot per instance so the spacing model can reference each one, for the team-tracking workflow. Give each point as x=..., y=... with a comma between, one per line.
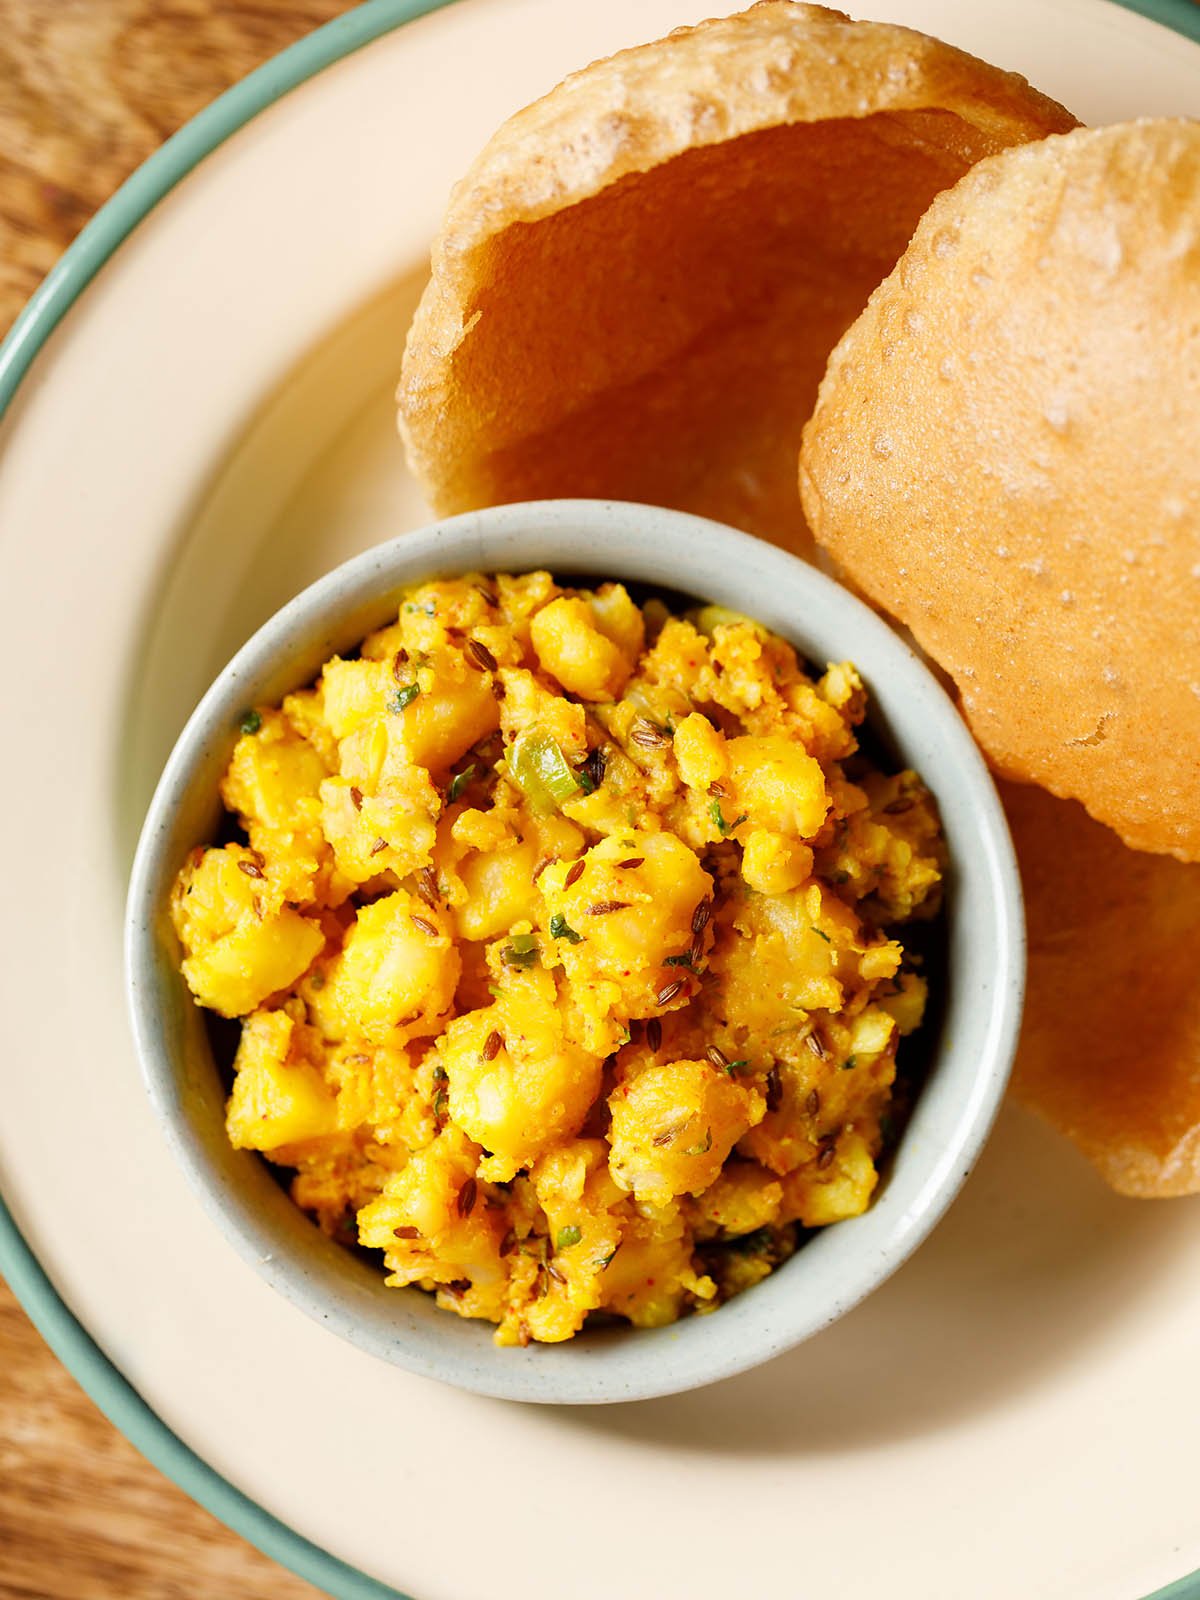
x=88, y=88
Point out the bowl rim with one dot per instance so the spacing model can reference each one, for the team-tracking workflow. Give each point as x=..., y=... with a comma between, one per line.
x=475, y=541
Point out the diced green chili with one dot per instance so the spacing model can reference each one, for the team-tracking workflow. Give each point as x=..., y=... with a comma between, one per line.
x=541, y=771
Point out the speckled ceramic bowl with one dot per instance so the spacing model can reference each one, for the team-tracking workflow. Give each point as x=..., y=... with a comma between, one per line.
x=971, y=1052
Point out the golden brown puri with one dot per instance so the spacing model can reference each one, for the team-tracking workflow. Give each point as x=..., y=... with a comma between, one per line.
x=1110, y=1048
x=638, y=282
x=1006, y=456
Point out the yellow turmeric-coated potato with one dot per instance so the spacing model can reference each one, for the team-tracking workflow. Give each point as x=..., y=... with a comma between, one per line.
x=517, y=1082
x=279, y=1097
x=673, y=1126
x=621, y=918
x=572, y=646
x=777, y=785
x=397, y=968
x=564, y=948
x=240, y=944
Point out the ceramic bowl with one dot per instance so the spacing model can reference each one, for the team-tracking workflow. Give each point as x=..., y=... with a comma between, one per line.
x=970, y=1054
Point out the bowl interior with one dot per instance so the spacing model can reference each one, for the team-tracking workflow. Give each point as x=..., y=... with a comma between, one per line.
x=969, y=1059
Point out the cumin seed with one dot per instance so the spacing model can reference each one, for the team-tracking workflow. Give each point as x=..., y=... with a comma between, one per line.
x=812, y=1103
x=667, y=1134
x=817, y=1045
x=665, y=996
x=380, y=844
x=466, y=1197
x=399, y=663
x=701, y=916
x=491, y=1046
x=251, y=869
x=407, y=1233
x=774, y=1090
x=574, y=873
x=426, y=881
x=480, y=656
x=356, y=798
x=634, y=861
x=717, y=1057
x=603, y=907
x=647, y=734
x=425, y=925
x=654, y=1035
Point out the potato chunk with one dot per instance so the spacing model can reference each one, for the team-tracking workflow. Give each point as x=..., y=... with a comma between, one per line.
x=517, y=1082
x=435, y=1228
x=778, y=783
x=278, y=1097
x=239, y=944
x=632, y=907
x=673, y=1126
x=398, y=967
x=574, y=646
x=390, y=830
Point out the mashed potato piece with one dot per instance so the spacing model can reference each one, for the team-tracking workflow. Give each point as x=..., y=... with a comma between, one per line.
x=559, y=931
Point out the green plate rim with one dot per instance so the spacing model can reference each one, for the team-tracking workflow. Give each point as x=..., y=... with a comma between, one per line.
x=114, y=222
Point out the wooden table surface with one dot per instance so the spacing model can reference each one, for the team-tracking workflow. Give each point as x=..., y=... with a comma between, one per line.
x=88, y=88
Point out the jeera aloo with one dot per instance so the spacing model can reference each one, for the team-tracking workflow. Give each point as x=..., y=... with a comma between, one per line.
x=561, y=939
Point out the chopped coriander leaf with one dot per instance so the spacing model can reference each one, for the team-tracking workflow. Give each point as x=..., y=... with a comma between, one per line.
x=249, y=722
x=701, y=1149
x=568, y=1236
x=602, y=1261
x=458, y=783
x=685, y=960
x=821, y=935
x=735, y=1066
x=850, y=1062
x=403, y=697
x=560, y=928
x=718, y=817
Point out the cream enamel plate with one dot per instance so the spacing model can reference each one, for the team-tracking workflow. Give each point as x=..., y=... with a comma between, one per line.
x=206, y=430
